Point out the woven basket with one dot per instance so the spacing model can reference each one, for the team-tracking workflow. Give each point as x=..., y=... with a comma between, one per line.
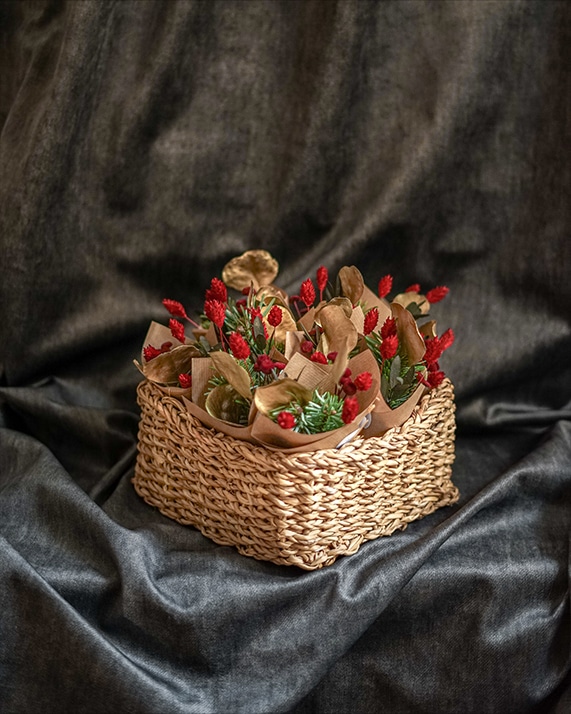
x=301, y=509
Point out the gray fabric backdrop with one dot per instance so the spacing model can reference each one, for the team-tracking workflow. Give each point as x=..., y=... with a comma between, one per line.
x=143, y=145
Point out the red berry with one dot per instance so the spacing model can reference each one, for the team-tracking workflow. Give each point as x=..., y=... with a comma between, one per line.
x=185, y=380
x=286, y=420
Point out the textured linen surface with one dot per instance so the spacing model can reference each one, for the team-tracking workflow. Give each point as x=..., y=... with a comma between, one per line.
x=146, y=143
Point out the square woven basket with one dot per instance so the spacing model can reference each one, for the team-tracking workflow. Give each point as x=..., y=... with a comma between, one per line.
x=302, y=509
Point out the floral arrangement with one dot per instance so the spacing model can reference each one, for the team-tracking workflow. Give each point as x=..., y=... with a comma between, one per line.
x=298, y=372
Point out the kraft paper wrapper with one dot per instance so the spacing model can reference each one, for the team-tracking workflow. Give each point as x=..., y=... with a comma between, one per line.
x=271, y=435
x=384, y=418
x=408, y=333
x=307, y=320
x=244, y=433
x=202, y=371
x=209, y=334
x=177, y=392
x=293, y=343
x=309, y=374
x=156, y=335
x=358, y=319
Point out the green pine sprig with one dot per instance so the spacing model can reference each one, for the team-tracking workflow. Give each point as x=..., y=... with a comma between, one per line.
x=322, y=413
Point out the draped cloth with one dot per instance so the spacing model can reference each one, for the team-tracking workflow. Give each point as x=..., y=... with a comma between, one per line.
x=143, y=145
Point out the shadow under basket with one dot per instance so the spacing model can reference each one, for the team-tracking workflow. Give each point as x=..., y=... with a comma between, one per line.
x=302, y=509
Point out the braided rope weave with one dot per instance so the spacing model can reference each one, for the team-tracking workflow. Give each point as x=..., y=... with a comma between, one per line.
x=301, y=509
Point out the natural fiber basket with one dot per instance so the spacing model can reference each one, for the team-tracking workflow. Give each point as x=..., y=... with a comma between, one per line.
x=301, y=509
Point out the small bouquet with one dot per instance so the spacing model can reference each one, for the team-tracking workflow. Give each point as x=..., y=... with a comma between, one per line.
x=298, y=372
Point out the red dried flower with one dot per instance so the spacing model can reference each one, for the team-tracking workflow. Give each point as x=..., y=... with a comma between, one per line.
x=177, y=330
x=385, y=285
x=435, y=378
x=437, y=294
x=389, y=347
x=322, y=278
x=279, y=366
x=307, y=292
x=246, y=291
x=241, y=304
x=238, y=346
x=433, y=350
x=389, y=328
x=348, y=387
x=332, y=356
x=446, y=339
x=371, y=320
x=175, y=308
x=217, y=291
x=185, y=380
x=286, y=420
x=346, y=374
x=165, y=347
x=150, y=352
x=215, y=312
x=275, y=316
x=318, y=357
x=306, y=347
x=414, y=288
x=254, y=313
x=350, y=410
x=363, y=381
x=264, y=364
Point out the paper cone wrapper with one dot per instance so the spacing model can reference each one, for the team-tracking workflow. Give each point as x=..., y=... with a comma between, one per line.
x=384, y=418
x=271, y=435
x=244, y=433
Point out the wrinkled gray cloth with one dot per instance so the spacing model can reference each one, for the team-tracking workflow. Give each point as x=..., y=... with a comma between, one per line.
x=143, y=145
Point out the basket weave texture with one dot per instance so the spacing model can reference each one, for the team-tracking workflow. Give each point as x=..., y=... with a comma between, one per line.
x=302, y=509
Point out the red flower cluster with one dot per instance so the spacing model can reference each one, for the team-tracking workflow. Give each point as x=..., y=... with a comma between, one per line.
x=185, y=380
x=238, y=346
x=275, y=316
x=306, y=347
x=437, y=294
x=286, y=420
x=435, y=346
x=350, y=410
x=363, y=381
x=322, y=278
x=371, y=321
x=177, y=330
x=414, y=288
x=389, y=328
x=266, y=364
x=175, y=308
x=215, y=311
x=307, y=292
x=318, y=357
x=389, y=347
x=385, y=286
x=150, y=352
x=217, y=291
